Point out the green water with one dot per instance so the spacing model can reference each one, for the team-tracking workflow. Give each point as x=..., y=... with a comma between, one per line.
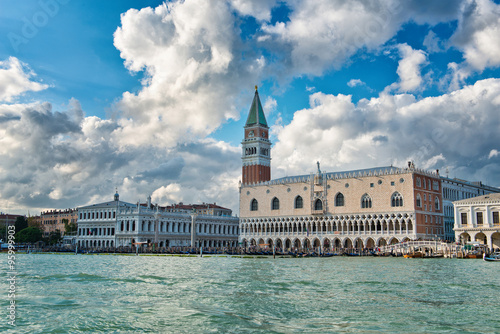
x=134, y=294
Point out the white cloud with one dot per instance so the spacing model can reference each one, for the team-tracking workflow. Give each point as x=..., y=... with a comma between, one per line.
x=433, y=43
x=455, y=129
x=59, y=159
x=455, y=76
x=477, y=34
x=194, y=72
x=270, y=105
x=195, y=68
x=493, y=153
x=260, y=9
x=167, y=194
x=15, y=79
x=321, y=35
x=355, y=82
x=409, y=68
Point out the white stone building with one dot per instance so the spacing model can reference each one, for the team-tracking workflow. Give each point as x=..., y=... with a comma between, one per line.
x=97, y=223
x=477, y=219
x=455, y=190
x=117, y=223
x=165, y=227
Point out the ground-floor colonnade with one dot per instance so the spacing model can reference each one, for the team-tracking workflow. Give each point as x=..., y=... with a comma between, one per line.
x=325, y=243
x=490, y=237
x=328, y=232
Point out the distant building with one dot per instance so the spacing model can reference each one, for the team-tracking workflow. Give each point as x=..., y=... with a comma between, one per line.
x=205, y=209
x=97, y=223
x=53, y=220
x=6, y=218
x=116, y=223
x=477, y=219
x=351, y=209
x=455, y=190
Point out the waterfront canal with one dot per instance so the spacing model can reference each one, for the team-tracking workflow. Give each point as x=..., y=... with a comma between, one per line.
x=62, y=293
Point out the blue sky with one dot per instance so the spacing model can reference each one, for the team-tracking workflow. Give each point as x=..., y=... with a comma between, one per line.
x=151, y=97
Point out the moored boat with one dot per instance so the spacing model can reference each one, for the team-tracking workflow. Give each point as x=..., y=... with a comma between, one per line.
x=492, y=257
x=414, y=255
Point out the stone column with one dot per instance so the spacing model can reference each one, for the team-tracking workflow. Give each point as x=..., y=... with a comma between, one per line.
x=193, y=230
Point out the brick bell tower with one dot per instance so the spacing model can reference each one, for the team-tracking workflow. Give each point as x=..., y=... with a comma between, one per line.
x=256, y=146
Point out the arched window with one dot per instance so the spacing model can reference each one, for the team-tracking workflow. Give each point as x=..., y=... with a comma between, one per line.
x=419, y=201
x=254, y=205
x=275, y=204
x=396, y=199
x=318, y=205
x=436, y=203
x=299, y=203
x=366, y=201
x=339, y=199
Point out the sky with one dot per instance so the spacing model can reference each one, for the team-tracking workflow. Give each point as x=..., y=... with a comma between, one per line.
x=150, y=97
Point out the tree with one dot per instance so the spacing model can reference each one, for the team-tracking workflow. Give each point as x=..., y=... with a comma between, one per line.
x=54, y=237
x=3, y=232
x=69, y=227
x=29, y=234
x=34, y=222
x=21, y=223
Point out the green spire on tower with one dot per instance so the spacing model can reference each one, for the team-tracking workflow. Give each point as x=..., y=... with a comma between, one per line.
x=256, y=114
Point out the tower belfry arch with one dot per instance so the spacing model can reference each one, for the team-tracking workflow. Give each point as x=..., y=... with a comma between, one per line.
x=256, y=147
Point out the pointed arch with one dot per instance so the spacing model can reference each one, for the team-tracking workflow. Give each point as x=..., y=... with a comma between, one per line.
x=396, y=199
x=299, y=202
x=339, y=199
x=254, y=205
x=275, y=203
x=366, y=201
x=318, y=205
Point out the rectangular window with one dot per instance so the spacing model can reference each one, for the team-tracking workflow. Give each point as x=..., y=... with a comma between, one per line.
x=495, y=218
x=435, y=185
x=371, y=185
x=392, y=183
x=463, y=218
x=479, y=218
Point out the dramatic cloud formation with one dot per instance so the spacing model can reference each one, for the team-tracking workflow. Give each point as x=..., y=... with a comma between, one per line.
x=477, y=34
x=456, y=129
x=198, y=61
x=194, y=70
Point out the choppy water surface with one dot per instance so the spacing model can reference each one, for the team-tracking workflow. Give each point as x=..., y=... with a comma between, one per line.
x=89, y=293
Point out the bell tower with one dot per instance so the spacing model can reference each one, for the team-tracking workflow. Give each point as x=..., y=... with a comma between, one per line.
x=256, y=153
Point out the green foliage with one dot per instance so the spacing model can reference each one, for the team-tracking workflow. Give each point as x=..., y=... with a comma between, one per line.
x=29, y=234
x=54, y=237
x=21, y=223
x=3, y=232
x=69, y=227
